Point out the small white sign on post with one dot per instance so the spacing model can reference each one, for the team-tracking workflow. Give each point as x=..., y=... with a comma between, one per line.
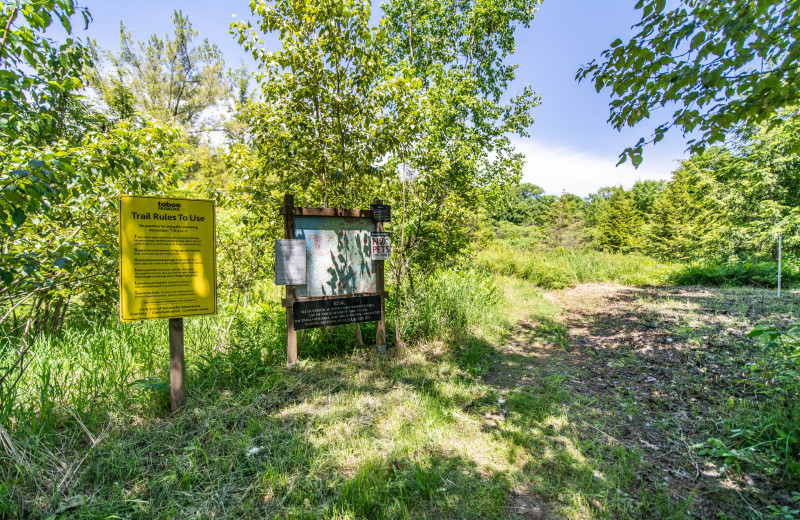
x=290, y=262
x=381, y=245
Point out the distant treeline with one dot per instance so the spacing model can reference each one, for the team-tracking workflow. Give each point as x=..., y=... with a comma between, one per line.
x=726, y=203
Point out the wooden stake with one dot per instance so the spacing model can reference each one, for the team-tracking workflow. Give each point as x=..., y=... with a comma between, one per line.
x=780, y=254
x=380, y=331
x=291, y=294
x=177, y=368
x=359, y=338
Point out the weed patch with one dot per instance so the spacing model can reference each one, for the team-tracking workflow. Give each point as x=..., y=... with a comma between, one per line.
x=559, y=269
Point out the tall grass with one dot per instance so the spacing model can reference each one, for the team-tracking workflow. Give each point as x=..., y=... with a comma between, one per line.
x=451, y=302
x=559, y=269
x=92, y=370
x=89, y=369
x=755, y=273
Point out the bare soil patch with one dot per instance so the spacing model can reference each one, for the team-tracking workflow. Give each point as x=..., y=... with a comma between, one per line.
x=657, y=372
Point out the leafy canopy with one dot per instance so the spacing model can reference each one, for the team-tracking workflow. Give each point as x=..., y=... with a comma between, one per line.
x=329, y=106
x=38, y=76
x=724, y=62
x=171, y=79
x=462, y=153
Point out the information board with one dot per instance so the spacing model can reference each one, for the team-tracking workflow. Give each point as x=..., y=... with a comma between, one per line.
x=168, y=260
x=340, y=311
x=337, y=255
x=290, y=262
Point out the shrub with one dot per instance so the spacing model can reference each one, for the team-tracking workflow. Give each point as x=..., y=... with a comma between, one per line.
x=451, y=303
x=560, y=268
x=737, y=273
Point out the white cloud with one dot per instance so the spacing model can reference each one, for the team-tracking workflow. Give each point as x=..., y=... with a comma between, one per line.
x=559, y=168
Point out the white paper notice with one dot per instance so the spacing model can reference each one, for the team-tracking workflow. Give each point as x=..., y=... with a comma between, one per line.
x=290, y=262
x=381, y=245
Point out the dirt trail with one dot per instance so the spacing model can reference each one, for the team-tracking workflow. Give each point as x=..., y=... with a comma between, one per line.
x=656, y=371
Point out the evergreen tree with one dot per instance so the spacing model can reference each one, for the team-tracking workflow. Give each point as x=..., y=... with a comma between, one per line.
x=668, y=235
x=564, y=223
x=619, y=224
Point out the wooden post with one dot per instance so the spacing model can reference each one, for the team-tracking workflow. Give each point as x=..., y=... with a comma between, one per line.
x=780, y=254
x=177, y=368
x=380, y=331
x=359, y=338
x=291, y=295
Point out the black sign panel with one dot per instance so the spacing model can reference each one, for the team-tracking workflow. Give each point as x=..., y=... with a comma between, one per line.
x=340, y=311
x=380, y=212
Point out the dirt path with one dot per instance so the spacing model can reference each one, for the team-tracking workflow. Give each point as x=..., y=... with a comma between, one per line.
x=660, y=374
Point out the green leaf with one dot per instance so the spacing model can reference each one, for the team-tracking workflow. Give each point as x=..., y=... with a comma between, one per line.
x=698, y=40
x=151, y=384
x=18, y=217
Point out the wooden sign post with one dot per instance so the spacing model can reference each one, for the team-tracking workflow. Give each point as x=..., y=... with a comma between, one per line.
x=167, y=269
x=380, y=331
x=177, y=367
x=343, y=284
x=291, y=291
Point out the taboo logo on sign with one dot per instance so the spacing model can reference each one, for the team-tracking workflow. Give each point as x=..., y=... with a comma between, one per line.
x=169, y=206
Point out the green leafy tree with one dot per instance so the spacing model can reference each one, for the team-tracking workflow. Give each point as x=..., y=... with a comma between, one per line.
x=723, y=62
x=40, y=77
x=670, y=232
x=169, y=78
x=40, y=80
x=645, y=194
x=329, y=106
x=744, y=197
x=245, y=243
x=462, y=154
x=524, y=204
x=70, y=248
x=59, y=169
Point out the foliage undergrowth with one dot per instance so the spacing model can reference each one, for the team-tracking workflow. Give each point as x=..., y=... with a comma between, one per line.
x=450, y=302
x=756, y=273
x=776, y=431
x=88, y=433
x=559, y=268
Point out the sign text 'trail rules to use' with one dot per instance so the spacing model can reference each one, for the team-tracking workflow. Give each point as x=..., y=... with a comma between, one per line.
x=167, y=257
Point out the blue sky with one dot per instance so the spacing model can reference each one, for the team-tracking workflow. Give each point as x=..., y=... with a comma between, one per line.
x=571, y=147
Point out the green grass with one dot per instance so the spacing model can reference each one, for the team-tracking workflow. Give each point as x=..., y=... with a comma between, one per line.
x=450, y=302
x=756, y=273
x=559, y=269
x=345, y=435
x=490, y=412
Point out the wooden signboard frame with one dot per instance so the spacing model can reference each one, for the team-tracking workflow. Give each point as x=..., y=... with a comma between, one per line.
x=289, y=212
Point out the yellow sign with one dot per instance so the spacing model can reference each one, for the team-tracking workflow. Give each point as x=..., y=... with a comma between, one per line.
x=168, y=257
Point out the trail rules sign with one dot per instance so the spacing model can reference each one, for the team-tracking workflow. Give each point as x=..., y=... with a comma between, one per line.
x=381, y=245
x=168, y=260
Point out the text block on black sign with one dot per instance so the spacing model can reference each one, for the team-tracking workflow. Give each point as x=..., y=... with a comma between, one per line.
x=339, y=311
x=380, y=212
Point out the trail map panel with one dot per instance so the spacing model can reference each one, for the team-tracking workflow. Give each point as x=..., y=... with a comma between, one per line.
x=339, y=311
x=338, y=257
x=168, y=258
